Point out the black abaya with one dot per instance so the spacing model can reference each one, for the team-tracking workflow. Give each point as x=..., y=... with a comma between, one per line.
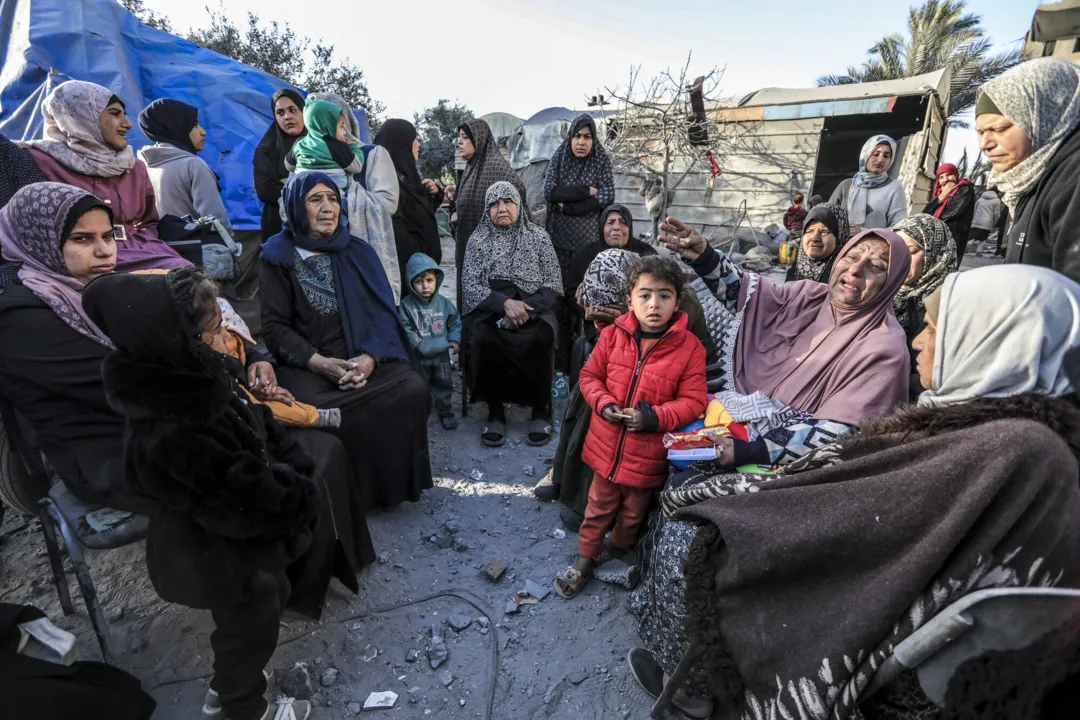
x=383, y=424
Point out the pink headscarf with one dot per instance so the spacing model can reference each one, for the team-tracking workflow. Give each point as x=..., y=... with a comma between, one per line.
x=850, y=365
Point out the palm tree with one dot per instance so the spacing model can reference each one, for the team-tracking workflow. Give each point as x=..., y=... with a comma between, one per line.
x=940, y=34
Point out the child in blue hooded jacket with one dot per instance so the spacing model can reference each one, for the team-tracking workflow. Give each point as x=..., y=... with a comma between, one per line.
x=433, y=326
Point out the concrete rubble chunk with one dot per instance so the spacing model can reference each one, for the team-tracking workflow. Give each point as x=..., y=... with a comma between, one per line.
x=445, y=677
x=494, y=570
x=528, y=471
x=578, y=676
x=354, y=708
x=459, y=621
x=461, y=545
x=381, y=700
x=535, y=590
x=412, y=655
x=329, y=677
x=437, y=653
x=512, y=608
x=296, y=683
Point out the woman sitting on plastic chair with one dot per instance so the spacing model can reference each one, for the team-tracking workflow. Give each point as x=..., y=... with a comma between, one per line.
x=798, y=586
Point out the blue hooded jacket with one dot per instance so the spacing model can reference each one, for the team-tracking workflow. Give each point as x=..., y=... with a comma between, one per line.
x=431, y=325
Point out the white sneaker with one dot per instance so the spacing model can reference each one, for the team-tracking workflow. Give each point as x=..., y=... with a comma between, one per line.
x=287, y=708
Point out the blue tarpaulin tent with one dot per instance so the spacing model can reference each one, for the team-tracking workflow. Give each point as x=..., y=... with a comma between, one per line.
x=45, y=42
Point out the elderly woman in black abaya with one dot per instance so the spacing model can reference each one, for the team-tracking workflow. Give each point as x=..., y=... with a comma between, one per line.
x=287, y=107
x=415, y=227
x=329, y=317
x=578, y=185
x=510, y=284
x=240, y=517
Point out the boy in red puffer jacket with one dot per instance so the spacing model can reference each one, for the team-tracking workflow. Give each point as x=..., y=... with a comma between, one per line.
x=645, y=377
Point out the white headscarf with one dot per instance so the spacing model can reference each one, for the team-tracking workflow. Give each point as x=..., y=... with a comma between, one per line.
x=72, y=113
x=1004, y=330
x=865, y=181
x=1041, y=97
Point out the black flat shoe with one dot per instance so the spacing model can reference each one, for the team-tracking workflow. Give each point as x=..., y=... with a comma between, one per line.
x=571, y=520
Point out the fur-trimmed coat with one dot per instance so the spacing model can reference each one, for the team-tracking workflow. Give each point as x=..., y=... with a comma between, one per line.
x=234, y=498
x=800, y=586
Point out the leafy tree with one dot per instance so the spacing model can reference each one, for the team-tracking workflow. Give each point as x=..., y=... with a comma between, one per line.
x=940, y=34
x=275, y=48
x=437, y=130
x=146, y=16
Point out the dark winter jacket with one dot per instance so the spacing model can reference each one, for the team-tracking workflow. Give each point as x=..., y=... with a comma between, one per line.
x=1045, y=229
x=431, y=325
x=234, y=502
x=667, y=385
x=958, y=213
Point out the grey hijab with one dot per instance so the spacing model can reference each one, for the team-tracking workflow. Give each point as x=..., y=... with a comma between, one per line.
x=1042, y=97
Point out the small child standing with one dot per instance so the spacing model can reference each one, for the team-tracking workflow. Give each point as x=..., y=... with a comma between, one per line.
x=645, y=377
x=433, y=326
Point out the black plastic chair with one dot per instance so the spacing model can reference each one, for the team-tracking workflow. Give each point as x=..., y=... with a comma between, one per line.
x=62, y=509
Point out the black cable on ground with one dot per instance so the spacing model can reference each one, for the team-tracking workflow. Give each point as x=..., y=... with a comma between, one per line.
x=459, y=594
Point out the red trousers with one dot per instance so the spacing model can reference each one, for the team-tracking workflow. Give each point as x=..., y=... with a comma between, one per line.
x=627, y=505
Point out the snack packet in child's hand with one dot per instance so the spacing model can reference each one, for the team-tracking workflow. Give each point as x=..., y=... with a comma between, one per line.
x=700, y=438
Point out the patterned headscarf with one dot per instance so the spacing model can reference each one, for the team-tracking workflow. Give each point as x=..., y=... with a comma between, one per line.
x=933, y=236
x=605, y=280
x=864, y=180
x=572, y=232
x=835, y=218
x=486, y=168
x=73, y=138
x=33, y=227
x=521, y=254
x=1041, y=97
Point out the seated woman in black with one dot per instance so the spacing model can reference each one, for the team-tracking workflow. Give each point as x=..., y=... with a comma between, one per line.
x=510, y=281
x=241, y=523
x=328, y=315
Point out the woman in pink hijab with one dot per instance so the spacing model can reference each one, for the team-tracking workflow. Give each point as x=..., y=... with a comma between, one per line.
x=806, y=362
x=85, y=145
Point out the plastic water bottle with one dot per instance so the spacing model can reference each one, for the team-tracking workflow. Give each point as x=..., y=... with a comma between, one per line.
x=560, y=393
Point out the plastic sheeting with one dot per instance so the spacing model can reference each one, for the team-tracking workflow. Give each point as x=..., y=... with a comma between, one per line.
x=46, y=42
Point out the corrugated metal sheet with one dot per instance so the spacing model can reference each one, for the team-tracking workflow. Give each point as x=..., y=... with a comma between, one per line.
x=917, y=85
x=827, y=109
x=758, y=169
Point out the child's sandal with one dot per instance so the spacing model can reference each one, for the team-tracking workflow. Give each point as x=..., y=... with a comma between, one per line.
x=570, y=582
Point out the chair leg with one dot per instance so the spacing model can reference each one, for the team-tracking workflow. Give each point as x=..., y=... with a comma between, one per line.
x=86, y=587
x=48, y=529
x=678, y=677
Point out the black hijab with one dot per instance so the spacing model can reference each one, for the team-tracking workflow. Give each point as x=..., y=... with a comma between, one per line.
x=415, y=213
x=169, y=121
x=277, y=140
x=584, y=257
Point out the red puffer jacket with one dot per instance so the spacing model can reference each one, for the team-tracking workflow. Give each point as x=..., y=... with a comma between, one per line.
x=670, y=378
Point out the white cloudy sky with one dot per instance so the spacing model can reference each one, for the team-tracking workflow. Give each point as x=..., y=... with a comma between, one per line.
x=520, y=56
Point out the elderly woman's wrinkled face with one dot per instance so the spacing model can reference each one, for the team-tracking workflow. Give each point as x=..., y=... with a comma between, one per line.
x=90, y=249
x=114, y=126
x=466, y=146
x=918, y=257
x=581, y=143
x=323, y=211
x=1004, y=143
x=616, y=231
x=860, y=274
x=288, y=116
x=214, y=333
x=880, y=159
x=503, y=213
x=818, y=241
x=925, y=344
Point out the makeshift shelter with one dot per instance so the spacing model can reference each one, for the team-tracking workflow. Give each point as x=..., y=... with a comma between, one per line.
x=784, y=140
x=1055, y=31
x=46, y=42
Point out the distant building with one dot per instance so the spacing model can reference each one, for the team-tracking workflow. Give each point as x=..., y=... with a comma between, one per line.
x=1055, y=31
